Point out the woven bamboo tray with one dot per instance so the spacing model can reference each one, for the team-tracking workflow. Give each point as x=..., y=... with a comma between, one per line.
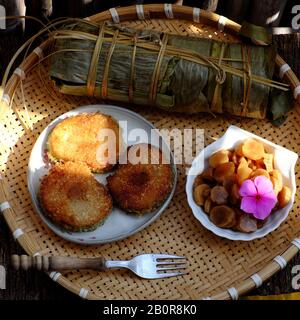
x=219, y=268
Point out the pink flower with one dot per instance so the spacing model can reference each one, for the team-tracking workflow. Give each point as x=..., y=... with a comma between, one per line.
x=258, y=197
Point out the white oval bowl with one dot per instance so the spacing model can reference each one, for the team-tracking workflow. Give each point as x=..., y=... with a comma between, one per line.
x=284, y=160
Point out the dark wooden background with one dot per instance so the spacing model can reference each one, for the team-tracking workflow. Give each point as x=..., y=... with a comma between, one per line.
x=38, y=286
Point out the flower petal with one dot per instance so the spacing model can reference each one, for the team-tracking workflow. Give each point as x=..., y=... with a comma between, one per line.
x=263, y=185
x=271, y=196
x=265, y=206
x=248, y=189
x=249, y=205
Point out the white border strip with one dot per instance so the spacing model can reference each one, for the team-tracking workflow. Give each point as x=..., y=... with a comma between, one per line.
x=169, y=10
x=283, y=69
x=233, y=293
x=4, y=206
x=281, y=261
x=83, y=293
x=54, y=275
x=296, y=243
x=114, y=15
x=207, y=298
x=196, y=14
x=222, y=23
x=20, y=73
x=17, y=233
x=39, y=52
x=140, y=11
x=257, y=279
x=296, y=92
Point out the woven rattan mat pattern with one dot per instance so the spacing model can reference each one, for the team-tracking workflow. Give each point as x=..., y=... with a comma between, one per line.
x=215, y=264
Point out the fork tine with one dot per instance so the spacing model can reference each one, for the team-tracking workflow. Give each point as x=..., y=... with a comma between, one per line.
x=170, y=274
x=166, y=263
x=167, y=256
x=183, y=266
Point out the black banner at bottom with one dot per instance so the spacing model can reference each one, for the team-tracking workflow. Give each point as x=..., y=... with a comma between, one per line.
x=97, y=310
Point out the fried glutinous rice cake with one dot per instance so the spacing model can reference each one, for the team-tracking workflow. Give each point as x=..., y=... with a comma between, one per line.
x=83, y=138
x=73, y=198
x=141, y=185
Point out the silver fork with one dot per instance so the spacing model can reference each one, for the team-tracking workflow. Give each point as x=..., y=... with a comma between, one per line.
x=148, y=266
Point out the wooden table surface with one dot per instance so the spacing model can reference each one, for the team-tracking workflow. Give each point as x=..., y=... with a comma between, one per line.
x=35, y=285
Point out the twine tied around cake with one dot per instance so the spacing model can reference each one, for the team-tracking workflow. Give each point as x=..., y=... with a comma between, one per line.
x=218, y=65
x=160, y=44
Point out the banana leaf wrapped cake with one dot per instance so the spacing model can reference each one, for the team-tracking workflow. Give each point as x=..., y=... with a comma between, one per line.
x=174, y=73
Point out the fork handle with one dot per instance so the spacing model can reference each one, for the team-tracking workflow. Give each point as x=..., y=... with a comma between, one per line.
x=57, y=263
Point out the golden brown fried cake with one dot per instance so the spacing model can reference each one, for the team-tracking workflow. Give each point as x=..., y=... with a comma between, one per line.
x=140, y=186
x=78, y=138
x=73, y=198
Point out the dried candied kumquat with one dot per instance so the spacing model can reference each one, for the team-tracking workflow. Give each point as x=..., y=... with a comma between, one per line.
x=223, y=171
x=246, y=224
x=284, y=196
x=199, y=193
x=243, y=173
x=268, y=161
x=276, y=178
x=239, y=149
x=208, y=205
x=219, y=195
x=223, y=216
x=219, y=158
x=253, y=149
x=260, y=172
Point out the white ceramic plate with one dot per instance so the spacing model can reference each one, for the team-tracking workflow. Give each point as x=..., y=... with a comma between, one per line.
x=285, y=161
x=119, y=224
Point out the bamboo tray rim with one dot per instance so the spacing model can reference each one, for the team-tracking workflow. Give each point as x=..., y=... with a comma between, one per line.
x=146, y=12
